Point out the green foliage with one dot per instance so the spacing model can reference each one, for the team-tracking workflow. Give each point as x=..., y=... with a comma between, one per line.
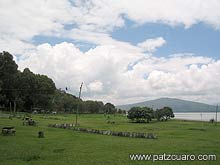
x=36, y=90
x=64, y=102
x=140, y=114
x=8, y=77
x=149, y=111
x=109, y=108
x=90, y=106
x=164, y=114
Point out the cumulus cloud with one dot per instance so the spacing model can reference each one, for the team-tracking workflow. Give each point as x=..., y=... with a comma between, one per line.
x=150, y=45
x=106, y=75
x=66, y=62
x=96, y=86
x=93, y=13
x=171, y=12
x=22, y=20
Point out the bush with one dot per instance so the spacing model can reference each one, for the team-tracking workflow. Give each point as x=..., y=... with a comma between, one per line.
x=40, y=134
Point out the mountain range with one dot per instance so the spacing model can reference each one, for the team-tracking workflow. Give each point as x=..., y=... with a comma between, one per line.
x=177, y=105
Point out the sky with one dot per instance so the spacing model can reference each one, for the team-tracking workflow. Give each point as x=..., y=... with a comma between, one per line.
x=123, y=51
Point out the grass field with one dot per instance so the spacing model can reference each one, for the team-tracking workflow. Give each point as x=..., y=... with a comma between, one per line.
x=62, y=146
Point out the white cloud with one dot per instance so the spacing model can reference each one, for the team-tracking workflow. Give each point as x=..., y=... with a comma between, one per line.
x=15, y=46
x=22, y=20
x=96, y=86
x=97, y=15
x=150, y=45
x=93, y=19
x=171, y=12
x=105, y=15
x=104, y=71
x=25, y=19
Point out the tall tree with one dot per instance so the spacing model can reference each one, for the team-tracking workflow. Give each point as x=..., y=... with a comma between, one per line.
x=109, y=108
x=164, y=114
x=139, y=114
x=8, y=76
x=37, y=90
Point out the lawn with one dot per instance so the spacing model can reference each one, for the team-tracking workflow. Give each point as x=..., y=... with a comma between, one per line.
x=63, y=146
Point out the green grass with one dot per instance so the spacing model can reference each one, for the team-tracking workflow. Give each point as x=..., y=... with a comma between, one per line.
x=61, y=146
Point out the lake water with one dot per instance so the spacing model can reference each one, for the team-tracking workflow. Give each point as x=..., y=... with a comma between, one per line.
x=200, y=116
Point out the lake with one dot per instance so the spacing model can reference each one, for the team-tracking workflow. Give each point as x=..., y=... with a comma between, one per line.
x=200, y=116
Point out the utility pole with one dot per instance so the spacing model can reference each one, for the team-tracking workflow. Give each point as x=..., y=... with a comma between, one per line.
x=216, y=115
x=80, y=90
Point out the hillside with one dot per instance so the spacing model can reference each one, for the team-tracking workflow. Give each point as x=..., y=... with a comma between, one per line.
x=176, y=104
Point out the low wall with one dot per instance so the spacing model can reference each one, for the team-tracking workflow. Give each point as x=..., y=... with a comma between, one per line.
x=105, y=132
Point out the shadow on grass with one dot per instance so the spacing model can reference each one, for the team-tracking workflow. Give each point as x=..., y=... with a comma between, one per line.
x=197, y=129
x=59, y=150
x=32, y=157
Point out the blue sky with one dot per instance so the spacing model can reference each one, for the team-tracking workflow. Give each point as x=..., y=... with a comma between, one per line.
x=53, y=40
x=200, y=39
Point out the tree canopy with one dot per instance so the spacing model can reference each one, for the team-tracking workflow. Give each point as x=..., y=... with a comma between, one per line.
x=139, y=114
x=146, y=114
x=164, y=114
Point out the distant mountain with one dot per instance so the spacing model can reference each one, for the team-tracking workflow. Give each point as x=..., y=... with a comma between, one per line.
x=176, y=104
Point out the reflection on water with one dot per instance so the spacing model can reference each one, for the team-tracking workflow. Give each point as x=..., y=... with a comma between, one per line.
x=201, y=116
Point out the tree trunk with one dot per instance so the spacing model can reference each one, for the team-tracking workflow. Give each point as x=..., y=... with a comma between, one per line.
x=15, y=106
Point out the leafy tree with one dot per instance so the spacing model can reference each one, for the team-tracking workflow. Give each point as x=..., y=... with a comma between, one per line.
x=139, y=114
x=164, y=114
x=90, y=106
x=64, y=102
x=36, y=90
x=109, y=108
x=8, y=77
x=119, y=111
x=1, y=95
x=150, y=111
x=100, y=107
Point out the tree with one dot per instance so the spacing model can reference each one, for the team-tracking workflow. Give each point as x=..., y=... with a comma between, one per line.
x=164, y=114
x=100, y=107
x=139, y=114
x=8, y=77
x=119, y=111
x=90, y=106
x=36, y=90
x=64, y=102
x=1, y=95
x=150, y=111
x=1, y=85
x=109, y=108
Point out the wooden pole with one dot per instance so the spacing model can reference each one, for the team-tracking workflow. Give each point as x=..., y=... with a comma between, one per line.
x=80, y=90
